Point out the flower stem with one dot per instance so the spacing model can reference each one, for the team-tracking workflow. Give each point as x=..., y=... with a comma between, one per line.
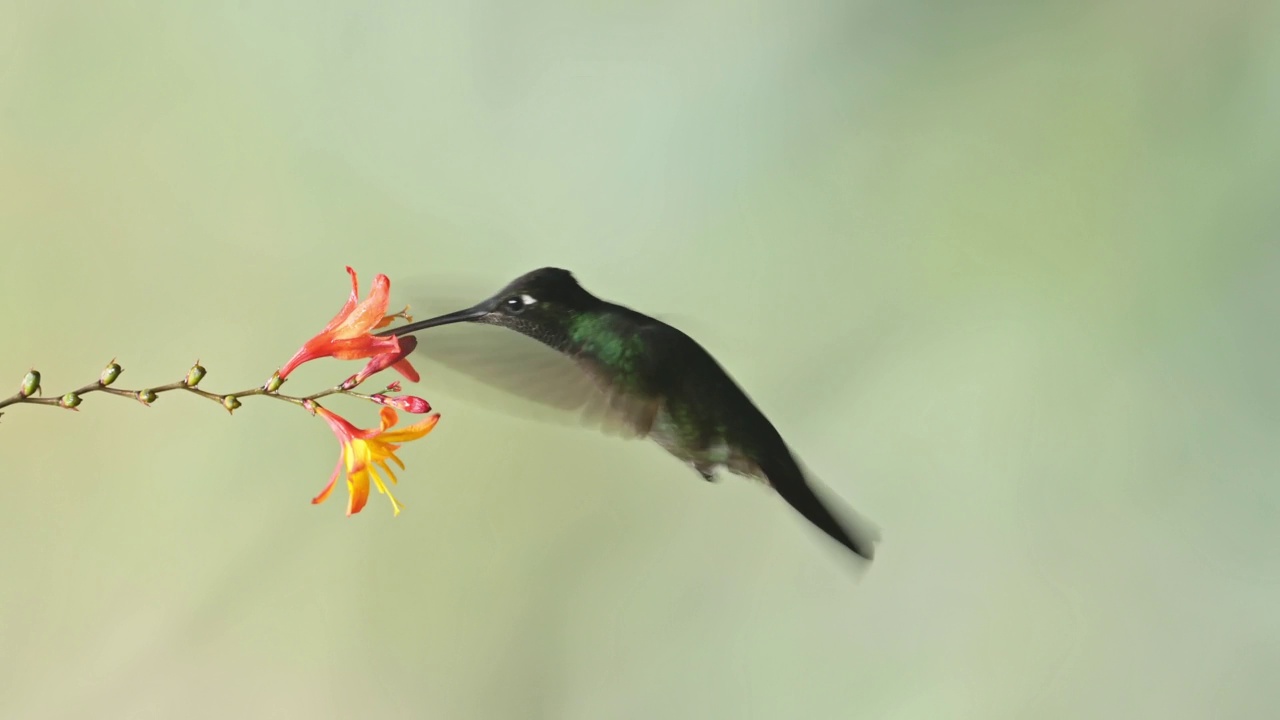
x=146, y=396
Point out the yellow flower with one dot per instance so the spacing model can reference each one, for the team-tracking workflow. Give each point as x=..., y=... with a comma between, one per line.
x=365, y=451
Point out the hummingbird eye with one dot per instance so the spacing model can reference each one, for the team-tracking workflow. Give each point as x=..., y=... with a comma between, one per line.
x=514, y=303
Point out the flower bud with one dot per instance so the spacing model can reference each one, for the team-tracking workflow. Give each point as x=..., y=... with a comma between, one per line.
x=274, y=383
x=406, y=403
x=195, y=375
x=30, y=384
x=69, y=401
x=146, y=397
x=230, y=402
x=109, y=374
x=393, y=387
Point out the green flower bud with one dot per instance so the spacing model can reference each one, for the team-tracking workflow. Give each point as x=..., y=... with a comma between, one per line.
x=274, y=383
x=195, y=375
x=69, y=401
x=30, y=384
x=146, y=397
x=230, y=402
x=109, y=374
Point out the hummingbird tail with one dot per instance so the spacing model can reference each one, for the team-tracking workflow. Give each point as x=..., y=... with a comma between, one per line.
x=789, y=482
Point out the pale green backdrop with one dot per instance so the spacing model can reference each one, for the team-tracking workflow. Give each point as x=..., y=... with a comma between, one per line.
x=1004, y=274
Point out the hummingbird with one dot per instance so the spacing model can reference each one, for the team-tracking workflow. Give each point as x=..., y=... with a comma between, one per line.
x=648, y=379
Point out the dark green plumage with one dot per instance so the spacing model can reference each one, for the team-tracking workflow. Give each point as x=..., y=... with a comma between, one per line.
x=649, y=379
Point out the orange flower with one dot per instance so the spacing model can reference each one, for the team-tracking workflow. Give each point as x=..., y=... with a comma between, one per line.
x=364, y=451
x=348, y=335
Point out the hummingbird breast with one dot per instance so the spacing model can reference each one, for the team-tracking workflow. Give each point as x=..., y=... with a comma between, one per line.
x=674, y=390
x=706, y=449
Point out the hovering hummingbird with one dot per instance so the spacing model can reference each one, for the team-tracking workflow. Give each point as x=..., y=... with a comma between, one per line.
x=650, y=380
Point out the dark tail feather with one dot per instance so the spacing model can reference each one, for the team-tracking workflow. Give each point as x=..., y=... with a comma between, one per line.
x=788, y=480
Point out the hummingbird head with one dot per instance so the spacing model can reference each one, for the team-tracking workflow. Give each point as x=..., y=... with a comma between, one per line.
x=539, y=304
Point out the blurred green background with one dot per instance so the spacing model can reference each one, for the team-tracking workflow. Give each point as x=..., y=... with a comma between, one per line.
x=1005, y=276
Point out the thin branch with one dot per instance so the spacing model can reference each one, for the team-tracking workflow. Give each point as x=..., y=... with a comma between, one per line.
x=146, y=396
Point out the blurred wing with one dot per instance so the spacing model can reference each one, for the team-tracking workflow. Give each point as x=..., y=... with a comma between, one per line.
x=514, y=374
x=617, y=413
x=511, y=373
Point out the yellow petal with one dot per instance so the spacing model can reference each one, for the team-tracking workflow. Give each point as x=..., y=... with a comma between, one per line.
x=358, y=487
x=379, y=450
x=357, y=455
x=395, y=480
x=411, y=432
x=382, y=488
x=397, y=460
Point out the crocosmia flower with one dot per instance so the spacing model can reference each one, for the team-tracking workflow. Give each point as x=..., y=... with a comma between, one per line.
x=364, y=452
x=348, y=336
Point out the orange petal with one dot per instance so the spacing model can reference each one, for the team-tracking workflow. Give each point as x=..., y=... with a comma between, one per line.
x=368, y=313
x=378, y=363
x=343, y=429
x=333, y=479
x=404, y=368
x=388, y=417
x=347, y=308
x=302, y=356
x=358, y=348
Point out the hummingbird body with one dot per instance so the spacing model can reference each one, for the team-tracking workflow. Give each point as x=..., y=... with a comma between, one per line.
x=700, y=416
x=656, y=382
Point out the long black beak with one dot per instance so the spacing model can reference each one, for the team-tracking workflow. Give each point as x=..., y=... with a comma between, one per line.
x=471, y=313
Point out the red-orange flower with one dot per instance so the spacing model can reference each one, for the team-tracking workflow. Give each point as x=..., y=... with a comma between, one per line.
x=348, y=336
x=364, y=451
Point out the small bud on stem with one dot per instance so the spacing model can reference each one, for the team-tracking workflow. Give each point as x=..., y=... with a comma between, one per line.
x=109, y=374
x=194, y=375
x=30, y=384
